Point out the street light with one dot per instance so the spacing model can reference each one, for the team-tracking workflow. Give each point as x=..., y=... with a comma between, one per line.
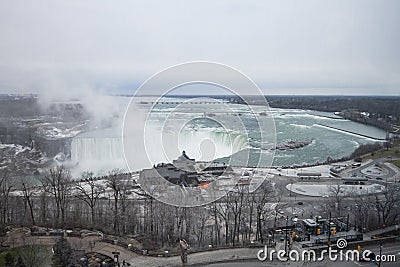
x=287, y=244
x=329, y=229
x=286, y=248
x=273, y=232
x=380, y=254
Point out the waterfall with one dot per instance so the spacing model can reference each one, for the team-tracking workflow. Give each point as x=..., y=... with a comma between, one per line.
x=97, y=151
x=223, y=144
x=100, y=151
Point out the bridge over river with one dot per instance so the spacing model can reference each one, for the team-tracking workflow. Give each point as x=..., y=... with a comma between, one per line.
x=182, y=102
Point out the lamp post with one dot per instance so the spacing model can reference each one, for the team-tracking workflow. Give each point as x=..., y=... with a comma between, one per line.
x=273, y=232
x=329, y=229
x=380, y=255
x=286, y=248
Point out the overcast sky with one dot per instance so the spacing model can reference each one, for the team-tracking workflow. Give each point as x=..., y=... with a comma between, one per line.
x=286, y=47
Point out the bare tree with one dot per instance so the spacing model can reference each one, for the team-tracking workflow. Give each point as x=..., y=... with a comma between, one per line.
x=5, y=188
x=387, y=204
x=89, y=191
x=235, y=202
x=337, y=194
x=224, y=216
x=200, y=217
x=362, y=210
x=58, y=184
x=262, y=196
x=124, y=203
x=115, y=184
x=28, y=191
x=217, y=228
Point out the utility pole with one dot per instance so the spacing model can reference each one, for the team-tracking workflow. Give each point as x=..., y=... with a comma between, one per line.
x=273, y=233
x=380, y=255
x=329, y=230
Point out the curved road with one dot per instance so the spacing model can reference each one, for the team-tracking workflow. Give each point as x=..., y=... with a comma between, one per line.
x=391, y=173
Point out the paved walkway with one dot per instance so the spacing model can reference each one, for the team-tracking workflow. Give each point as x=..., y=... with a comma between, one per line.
x=200, y=258
x=93, y=243
x=108, y=249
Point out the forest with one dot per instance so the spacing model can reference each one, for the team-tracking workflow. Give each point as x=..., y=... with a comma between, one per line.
x=240, y=218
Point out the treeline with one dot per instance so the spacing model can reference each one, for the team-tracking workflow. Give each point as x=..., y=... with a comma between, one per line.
x=382, y=111
x=364, y=149
x=117, y=207
x=384, y=105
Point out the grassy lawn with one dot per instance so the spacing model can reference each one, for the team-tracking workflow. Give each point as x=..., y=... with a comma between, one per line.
x=393, y=152
x=37, y=255
x=396, y=162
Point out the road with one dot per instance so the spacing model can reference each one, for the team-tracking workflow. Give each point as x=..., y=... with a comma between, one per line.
x=391, y=173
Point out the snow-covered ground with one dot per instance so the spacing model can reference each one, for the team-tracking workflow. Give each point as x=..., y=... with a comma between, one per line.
x=101, y=185
x=392, y=166
x=59, y=130
x=16, y=148
x=374, y=171
x=324, y=170
x=20, y=159
x=328, y=189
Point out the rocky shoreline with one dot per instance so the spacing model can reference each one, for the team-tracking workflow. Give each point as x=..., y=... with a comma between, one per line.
x=290, y=145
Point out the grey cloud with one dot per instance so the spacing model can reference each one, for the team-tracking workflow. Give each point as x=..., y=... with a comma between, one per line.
x=285, y=46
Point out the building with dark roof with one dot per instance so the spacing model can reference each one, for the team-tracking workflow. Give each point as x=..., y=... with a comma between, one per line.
x=183, y=171
x=170, y=173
